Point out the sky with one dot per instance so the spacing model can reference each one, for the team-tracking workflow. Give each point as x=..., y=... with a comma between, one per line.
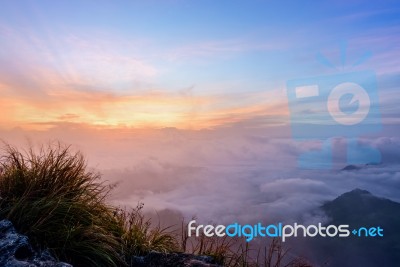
x=186, y=104
x=183, y=64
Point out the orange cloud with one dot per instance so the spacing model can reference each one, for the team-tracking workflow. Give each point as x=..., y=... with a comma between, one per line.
x=68, y=79
x=148, y=109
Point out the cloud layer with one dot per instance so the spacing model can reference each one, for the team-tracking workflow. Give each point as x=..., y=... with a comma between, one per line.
x=222, y=175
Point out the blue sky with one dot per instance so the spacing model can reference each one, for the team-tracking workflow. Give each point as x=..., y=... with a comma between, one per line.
x=224, y=56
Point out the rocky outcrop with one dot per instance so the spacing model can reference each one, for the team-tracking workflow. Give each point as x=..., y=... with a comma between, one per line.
x=15, y=250
x=157, y=259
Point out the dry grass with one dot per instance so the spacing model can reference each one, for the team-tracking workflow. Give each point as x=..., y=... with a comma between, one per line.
x=140, y=236
x=236, y=252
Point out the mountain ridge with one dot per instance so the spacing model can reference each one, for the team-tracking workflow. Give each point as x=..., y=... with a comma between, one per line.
x=360, y=208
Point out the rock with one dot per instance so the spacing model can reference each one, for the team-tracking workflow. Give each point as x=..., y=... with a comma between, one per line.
x=157, y=259
x=15, y=250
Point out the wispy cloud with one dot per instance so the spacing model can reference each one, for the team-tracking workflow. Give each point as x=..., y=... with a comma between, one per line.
x=49, y=77
x=74, y=59
x=148, y=108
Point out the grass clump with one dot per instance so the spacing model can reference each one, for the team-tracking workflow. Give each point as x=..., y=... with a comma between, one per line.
x=140, y=236
x=51, y=197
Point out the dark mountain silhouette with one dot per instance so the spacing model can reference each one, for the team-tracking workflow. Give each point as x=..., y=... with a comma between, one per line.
x=359, y=208
x=351, y=168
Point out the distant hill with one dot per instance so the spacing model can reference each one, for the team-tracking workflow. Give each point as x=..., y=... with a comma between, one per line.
x=359, y=208
x=351, y=168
